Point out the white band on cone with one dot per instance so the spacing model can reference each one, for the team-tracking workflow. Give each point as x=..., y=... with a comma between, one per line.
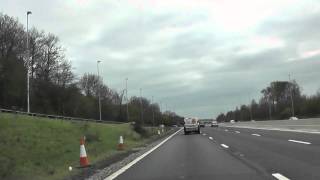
x=121, y=140
x=82, y=151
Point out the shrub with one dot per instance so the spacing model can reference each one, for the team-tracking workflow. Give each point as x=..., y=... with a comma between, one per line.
x=137, y=127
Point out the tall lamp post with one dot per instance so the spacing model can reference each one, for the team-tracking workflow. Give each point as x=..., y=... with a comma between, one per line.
x=99, y=90
x=28, y=63
x=127, y=99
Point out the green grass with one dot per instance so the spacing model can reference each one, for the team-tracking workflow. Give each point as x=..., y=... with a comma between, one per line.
x=40, y=148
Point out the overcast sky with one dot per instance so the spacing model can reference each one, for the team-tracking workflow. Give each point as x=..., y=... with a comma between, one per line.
x=200, y=57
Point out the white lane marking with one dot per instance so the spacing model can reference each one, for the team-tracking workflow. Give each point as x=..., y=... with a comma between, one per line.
x=226, y=130
x=237, y=132
x=210, y=138
x=301, y=142
x=277, y=129
x=255, y=134
x=280, y=176
x=225, y=146
x=204, y=134
x=126, y=167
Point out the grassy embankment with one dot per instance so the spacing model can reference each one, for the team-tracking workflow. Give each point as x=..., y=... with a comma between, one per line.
x=40, y=148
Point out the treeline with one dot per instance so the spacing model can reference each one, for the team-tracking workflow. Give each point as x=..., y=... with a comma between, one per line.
x=54, y=88
x=280, y=100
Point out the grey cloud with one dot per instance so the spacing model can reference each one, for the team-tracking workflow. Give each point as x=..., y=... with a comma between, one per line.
x=304, y=28
x=197, y=72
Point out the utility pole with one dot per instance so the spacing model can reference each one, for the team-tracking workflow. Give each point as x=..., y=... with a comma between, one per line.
x=28, y=64
x=127, y=99
x=291, y=96
x=99, y=89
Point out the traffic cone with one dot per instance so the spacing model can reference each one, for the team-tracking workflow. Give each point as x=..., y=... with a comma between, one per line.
x=121, y=144
x=84, y=162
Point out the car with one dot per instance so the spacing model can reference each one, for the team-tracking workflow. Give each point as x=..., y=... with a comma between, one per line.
x=208, y=124
x=214, y=124
x=232, y=121
x=293, y=118
x=191, y=125
x=202, y=124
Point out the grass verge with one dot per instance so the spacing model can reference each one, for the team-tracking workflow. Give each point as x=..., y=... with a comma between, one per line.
x=40, y=148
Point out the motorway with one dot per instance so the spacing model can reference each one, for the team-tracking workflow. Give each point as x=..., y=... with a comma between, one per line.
x=232, y=153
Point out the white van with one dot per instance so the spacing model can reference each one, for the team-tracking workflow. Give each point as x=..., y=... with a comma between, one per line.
x=191, y=125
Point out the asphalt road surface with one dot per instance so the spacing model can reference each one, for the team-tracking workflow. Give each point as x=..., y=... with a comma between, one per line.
x=232, y=153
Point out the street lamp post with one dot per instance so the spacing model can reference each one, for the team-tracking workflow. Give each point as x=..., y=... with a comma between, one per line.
x=127, y=99
x=99, y=89
x=292, y=105
x=28, y=64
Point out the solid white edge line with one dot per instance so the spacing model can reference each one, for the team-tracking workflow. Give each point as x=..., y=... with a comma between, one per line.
x=255, y=134
x=280, y=176
x=225, y=146
x=210, y=138
x=301, y=142
x=126, y=167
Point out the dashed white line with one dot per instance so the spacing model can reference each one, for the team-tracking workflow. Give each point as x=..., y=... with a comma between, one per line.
x=238, y=132
x=226, y=130
x=280, y=176
x=255, y=134
x=204, y=134
x=225, y=146
x=210, y=138
x=301, y=142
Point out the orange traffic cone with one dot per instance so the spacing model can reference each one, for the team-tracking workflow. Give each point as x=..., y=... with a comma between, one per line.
x=121, y=144
x=84, y=162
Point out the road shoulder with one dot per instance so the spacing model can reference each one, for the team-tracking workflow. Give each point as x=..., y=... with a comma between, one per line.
x=122, y=162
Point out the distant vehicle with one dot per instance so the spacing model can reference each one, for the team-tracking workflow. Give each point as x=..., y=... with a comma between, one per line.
x=202, y=124
x=214, y=124
x=191, y=125
x=232, y=121
x=293, y=118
